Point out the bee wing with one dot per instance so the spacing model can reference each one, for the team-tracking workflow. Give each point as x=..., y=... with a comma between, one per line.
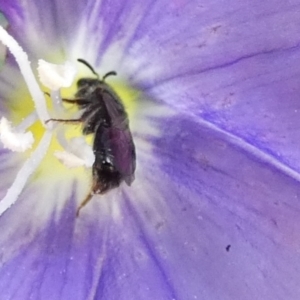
x=114, y=106
x=123, y=151
x=121, y=143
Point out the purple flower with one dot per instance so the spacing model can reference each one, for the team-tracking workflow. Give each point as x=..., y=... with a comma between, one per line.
x=214, y=104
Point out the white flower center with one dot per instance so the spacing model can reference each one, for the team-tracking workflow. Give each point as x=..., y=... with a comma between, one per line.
x=17, y=139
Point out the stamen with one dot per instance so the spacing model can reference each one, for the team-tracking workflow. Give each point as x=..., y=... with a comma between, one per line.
x=56, y=76
x=24, y=65
x=78, y=153
x=61, y=138
x=57, y=102
x=27, y=122
x=81, y=149
x=68, y=159
x=16, y=141
x=25, y=172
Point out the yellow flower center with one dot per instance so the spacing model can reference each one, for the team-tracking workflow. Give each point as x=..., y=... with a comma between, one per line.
x=21, y=106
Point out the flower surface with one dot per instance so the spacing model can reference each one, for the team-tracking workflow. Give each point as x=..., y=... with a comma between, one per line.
x=214, y=210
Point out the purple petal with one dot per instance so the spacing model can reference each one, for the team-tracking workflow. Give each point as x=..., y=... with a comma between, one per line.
x=236, y=67
x=216, y=220
x=213, y=213
x=44, y=29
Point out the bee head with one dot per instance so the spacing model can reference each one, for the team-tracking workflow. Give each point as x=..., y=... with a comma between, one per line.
x=105, y=178
x=87, y=82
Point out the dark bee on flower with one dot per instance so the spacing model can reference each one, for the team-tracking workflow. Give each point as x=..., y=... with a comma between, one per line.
x=104, y=115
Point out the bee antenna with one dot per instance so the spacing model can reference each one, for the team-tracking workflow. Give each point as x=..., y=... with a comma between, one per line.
x=88, y=65
x=114, y=73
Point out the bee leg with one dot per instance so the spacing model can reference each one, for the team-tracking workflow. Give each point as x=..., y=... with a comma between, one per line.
x=83, y=203
x=80, y=120
x=78, y=101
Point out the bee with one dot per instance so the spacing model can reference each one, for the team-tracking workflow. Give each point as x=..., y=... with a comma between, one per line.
x=104, y=116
